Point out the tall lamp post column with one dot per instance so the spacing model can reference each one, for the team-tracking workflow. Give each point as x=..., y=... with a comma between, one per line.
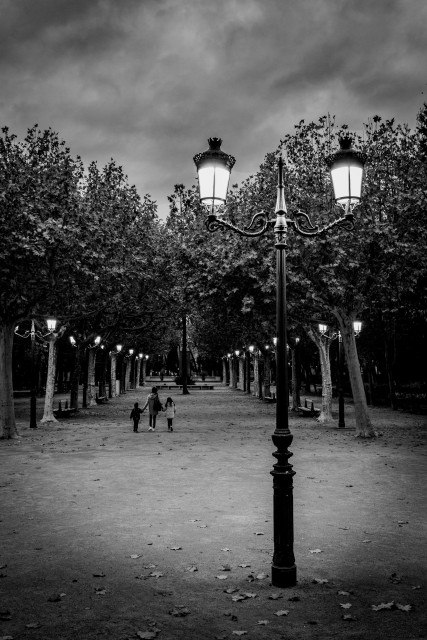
x=214, y=168
x=341, y=420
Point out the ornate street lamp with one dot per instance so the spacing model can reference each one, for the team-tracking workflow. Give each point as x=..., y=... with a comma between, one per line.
x=214, y=168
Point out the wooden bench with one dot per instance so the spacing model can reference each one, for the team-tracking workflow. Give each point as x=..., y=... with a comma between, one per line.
x=65, y=412
x=309, y=412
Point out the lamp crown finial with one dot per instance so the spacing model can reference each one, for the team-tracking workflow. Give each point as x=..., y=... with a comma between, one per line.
x=215, y=143
x=345, y=141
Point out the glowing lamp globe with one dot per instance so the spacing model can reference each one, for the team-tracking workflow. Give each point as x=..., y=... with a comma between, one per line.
x=51, y=324
x=214, y=169
x=346, y=167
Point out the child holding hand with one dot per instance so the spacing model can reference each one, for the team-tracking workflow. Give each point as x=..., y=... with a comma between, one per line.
x=170, y=412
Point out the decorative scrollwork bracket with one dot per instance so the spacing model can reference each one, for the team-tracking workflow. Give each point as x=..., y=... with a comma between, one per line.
x=258, y=226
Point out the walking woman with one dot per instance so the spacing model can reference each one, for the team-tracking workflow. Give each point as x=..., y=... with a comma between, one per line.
x=154, y=406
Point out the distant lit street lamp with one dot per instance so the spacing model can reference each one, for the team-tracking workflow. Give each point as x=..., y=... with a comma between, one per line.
x=32, y=333
x=214, y=168
x=323, y=328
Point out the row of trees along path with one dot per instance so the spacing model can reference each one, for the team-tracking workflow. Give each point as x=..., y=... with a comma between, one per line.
x=84, y=247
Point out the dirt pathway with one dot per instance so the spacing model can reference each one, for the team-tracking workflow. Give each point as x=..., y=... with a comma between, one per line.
x=107, y=533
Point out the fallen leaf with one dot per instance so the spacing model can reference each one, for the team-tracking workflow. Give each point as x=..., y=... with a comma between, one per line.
x=345, y=605
x=320, y=581
x=366, y=541
x=263, y=622
x=135, y=556
x=403, y=607
x=99, y=575
x=155, y=574
x=275, y=596
x=226, y=549
x=33, y=625
x=402, y=522
x=180, y=611
x=294, y=599
x=192, y=569
x=194, y=520
x=221, y=577
x=249, y=594
x=147, y=635
x=348, y=617
x=259, y=533
x=176, y=548
x=6, y=637
x=245, y=565
x=150, y=566
x=416, y=586
x=261, y=576
x=315, y=550
x=100, y=591
x=231, y=590
x=240, y=633
x=282, y=612
x=226, y=567
x=238, y=597
x=383, y=605
x=202, y=526
x=5, y=615
x=343, y=593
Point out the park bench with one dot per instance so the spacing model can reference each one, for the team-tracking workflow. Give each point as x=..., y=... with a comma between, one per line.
x=101, y=399
x=309, y=412
x=65, y=412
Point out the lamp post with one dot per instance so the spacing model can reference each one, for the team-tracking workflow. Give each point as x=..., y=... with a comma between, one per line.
x=214, y=168
x=32, y=333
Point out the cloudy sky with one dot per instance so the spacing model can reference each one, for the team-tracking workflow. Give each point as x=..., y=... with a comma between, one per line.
x=148, y=81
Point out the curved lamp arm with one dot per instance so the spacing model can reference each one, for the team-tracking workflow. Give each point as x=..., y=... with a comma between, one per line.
x=303, y=225
x=258, y=225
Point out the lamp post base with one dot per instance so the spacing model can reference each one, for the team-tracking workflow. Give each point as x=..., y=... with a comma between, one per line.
x=283, y=576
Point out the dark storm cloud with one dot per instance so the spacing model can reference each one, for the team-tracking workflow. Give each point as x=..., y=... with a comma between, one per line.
x=148, y=81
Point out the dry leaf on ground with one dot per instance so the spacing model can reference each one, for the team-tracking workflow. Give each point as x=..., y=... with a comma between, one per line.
x=315, y=550
x=345, y=605
x=282, y=612
x=383, y=605
x=180, y=611
x=320, y=581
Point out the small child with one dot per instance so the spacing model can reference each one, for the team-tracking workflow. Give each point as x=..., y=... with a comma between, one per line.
x=135, y=415
x=170, y=412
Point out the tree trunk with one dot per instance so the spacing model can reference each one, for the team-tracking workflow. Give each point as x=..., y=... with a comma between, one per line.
x=256, y=376
x=364, y=428
x=241, y=384
x=7, y=410
x=50, y=383
x=324, y=344
x=113, y=362
x=233, y=376
x=267, y=375
x=90, y=398
x=296, y=400
x=75, y=380
x=138, y=375
x=224, y=371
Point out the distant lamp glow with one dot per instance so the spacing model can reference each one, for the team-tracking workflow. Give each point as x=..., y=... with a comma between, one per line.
x=346, y=167
x=119, y=347
x=229, y=355
x=251, y=348
x=237, y=352
x=51, y=324
x=214, y=169
x=323, y=328
x=140, y=355
x=297, y=340
x=146, y=357
x=357, y=326
x=97, y=339
x=275, y=341
x=73, y=340
x=130, y=352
